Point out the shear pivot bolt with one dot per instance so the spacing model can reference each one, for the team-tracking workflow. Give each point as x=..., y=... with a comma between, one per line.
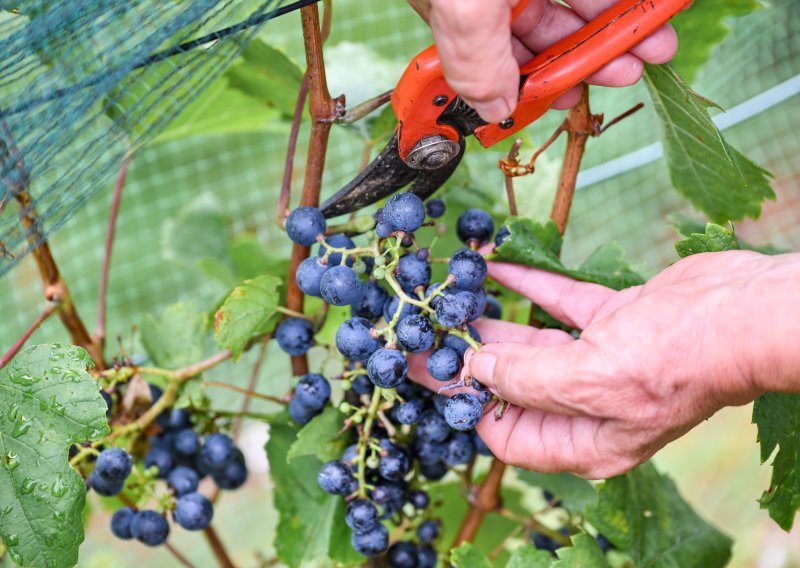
x=507, y=123
x=432, y=152
x=441, y=100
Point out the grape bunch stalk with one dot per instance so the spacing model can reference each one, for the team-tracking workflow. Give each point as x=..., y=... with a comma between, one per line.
x=402, y=436
x=168, y=474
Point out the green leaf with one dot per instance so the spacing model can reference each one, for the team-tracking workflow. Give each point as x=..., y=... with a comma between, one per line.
x=584, y=553
x=311, y=529
x=49, y=402
x=221, y=109
x=218, y=109
x=468, y=556
x=777, y=416
x=644, y=516
x=536, y=244
x=382, y=125
x=687, y=226
x=267, y=74
x=714, y=176
x=176, y=339
x=574, y=493
x=714, y=239
x=321, y=437
x=192, y=394
x=527, y=556
x=246, y=312
x=701, y=28
x=250, y=258
x=200, y=230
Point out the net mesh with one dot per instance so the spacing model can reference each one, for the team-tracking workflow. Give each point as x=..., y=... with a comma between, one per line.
x=368, y=48
x=83, y=82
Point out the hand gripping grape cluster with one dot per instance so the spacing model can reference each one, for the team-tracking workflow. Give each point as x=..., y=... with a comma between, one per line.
x=178, y=456
x=404, y=435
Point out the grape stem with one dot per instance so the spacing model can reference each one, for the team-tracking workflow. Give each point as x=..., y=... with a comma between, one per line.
x=174, y=381
x=248, y=392
x=364, y=441
x=579, y=124
x=533, y=524
x=293, y=314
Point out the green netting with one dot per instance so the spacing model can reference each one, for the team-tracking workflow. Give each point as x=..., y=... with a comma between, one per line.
x=81, y=82
x=369, y=46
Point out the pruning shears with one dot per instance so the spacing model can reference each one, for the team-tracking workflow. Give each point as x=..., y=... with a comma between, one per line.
x=433, y=121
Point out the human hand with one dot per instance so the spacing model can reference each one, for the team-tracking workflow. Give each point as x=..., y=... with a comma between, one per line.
x=652, y=361
x=481, y=52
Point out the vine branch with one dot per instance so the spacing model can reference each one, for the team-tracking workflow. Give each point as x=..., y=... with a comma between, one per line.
x=55, y=288
x=49, y=309
x=217, y=547
x=323, y=111
x=102, y=293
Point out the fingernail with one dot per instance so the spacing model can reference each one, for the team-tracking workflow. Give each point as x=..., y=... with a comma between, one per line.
x=494, y=111
x=481, y=366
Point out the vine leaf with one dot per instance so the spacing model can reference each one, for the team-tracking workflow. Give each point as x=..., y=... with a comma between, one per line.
x=574, y=493
x=714, y=239
x=644, y=516
x=49, y=402
x=718, y=179
x=320, y=438
x=176, y=338
x=702, y=27
x=267, y=74
x=584, y=553
x=199, y=233
x=777, y=416
x=310, y=528
x=536, y=244
x=688, y=226
x=246, y=311
x=469, y=556
x=527, y=556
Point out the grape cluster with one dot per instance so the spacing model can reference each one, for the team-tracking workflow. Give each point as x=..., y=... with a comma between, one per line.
x=180, y=457
x=407, y=436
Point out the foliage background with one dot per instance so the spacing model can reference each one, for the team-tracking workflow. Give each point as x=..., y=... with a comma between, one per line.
x=230, y=183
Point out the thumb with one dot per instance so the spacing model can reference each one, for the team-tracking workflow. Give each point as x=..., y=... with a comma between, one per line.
x=473, y=38
x=535, y=377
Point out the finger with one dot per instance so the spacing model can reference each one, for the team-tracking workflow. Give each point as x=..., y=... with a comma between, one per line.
x=491, y=331
x=563, y=378
x=568, y=99
x=558, y=21
x=659, y=47
x=569, y=301
x=473, y=38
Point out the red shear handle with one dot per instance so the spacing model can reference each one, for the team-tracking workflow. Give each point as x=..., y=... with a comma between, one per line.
x=421, y=95
x=568, y=62
x=422, y=90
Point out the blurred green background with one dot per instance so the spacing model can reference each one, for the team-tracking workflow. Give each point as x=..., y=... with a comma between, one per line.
x=230, y=182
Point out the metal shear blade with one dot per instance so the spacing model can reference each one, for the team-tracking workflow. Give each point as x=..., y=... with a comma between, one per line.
x=385, y=175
